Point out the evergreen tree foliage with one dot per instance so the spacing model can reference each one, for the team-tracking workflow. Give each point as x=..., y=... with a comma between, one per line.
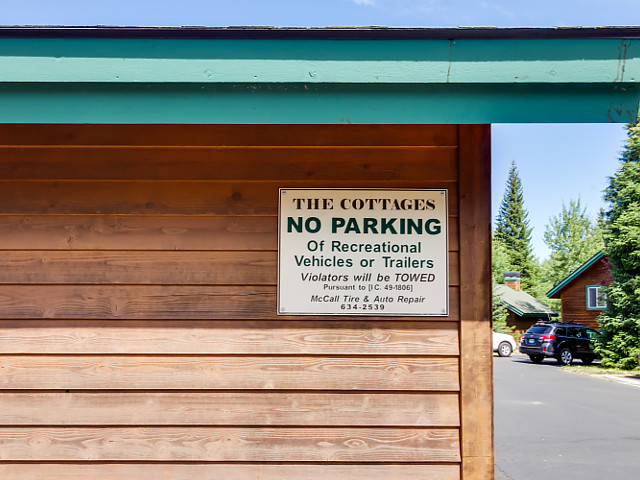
x=499, y=265
x=500, y=261
x=499, y=315
x=573, y=238
x=620, y=322
x=513, y=231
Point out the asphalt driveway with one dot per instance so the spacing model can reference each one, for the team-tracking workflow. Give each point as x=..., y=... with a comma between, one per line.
x=550, y=423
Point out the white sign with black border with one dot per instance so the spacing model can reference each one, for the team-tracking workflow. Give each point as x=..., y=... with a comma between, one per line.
x=363, y=252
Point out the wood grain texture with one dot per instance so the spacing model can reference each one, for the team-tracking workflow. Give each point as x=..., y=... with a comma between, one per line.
x=148, y=233
x=140, y=268
x=226, y=163
x=142, y=302
x=224, y=444
x=169, y=197
x=138, y=232
x=324, y=471
x=165, y=134
x=330, y=337
x=153, y=302
x=138, y=310
x=238, y=408
x=228, y=373
x=476, y=359
x=574, y=295
x=148, y=268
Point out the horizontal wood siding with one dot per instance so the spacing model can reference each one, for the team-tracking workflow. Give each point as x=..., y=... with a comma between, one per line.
x=147, y=268
x=248, y=408
x=230, y=337
x=138, y=280
x=144, y=302
x=149, y=233
x=237, y=163
x=573, y=299
x=217, y=471
x=229, y=373
x=167, y=197
x=230, y=444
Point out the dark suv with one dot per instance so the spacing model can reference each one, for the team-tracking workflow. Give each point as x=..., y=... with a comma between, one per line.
x=562, y=341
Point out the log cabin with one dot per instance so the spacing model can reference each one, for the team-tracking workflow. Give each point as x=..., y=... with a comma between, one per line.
x=144, y=323
x=523, y=310
x=582, y=293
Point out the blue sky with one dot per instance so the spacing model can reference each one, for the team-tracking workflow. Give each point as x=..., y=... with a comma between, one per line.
x=557, y=163
x=322, y=12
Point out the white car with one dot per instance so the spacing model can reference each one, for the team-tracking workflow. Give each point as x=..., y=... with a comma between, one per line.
x=504, y=344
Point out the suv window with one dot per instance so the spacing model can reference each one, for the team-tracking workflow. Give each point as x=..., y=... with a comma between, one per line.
x=576, y=332
x=592, y=334
x=539, y=329
x=561, y=332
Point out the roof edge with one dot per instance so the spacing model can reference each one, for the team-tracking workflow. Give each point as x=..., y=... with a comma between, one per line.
x=522, y=314
x=319, y=33
x=572, y=276
x=547, y=311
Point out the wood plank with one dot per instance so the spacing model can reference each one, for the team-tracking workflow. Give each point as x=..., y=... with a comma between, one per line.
x=70, y=471
x=84, y=134
x=138, y=302
x=131, y=232
x=148, y=268
x=226, y=163
x=170, y=197
x=574, y=295
x=476, y=359
x=228, y=444
x=227, y=373
x=233, y=409
x=146, y=232
x=330, y=337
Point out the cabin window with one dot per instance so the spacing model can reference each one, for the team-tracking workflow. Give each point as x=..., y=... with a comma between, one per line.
x=596, y=297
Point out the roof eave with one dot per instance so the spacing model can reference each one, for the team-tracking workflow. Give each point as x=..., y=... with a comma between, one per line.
x=555, y=291
x=331, y=32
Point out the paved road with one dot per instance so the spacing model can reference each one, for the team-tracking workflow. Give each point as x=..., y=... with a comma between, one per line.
x=552, y=424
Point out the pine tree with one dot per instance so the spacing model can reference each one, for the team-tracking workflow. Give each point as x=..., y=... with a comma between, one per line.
x=500, y=260
x=499, y=315
x=620, y=322
x=573, y=238
x=513, y=231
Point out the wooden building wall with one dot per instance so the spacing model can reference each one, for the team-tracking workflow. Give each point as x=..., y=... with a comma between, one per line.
x=138, y=326
x=522, y=324
x=573, y=298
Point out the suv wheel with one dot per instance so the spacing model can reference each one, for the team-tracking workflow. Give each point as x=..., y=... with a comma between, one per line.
x=536, y=358
x=504, y=349
x=565, y=357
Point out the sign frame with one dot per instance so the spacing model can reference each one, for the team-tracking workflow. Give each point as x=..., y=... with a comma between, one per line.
x=439, y=217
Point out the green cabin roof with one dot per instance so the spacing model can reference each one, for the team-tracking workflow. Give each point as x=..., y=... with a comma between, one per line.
x=521, y=303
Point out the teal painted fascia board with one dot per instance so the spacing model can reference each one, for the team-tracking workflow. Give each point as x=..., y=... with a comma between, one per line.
x=316, y=104
x=244, y=61
x=573, y=275
x=169, y=80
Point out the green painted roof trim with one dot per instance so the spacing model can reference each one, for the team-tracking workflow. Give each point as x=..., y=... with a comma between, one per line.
x=573, y=275
x=207, y=61
x=313, y=104
x=172, y=79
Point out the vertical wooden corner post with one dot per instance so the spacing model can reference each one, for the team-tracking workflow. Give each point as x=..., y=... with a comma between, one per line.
x=476, y=357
